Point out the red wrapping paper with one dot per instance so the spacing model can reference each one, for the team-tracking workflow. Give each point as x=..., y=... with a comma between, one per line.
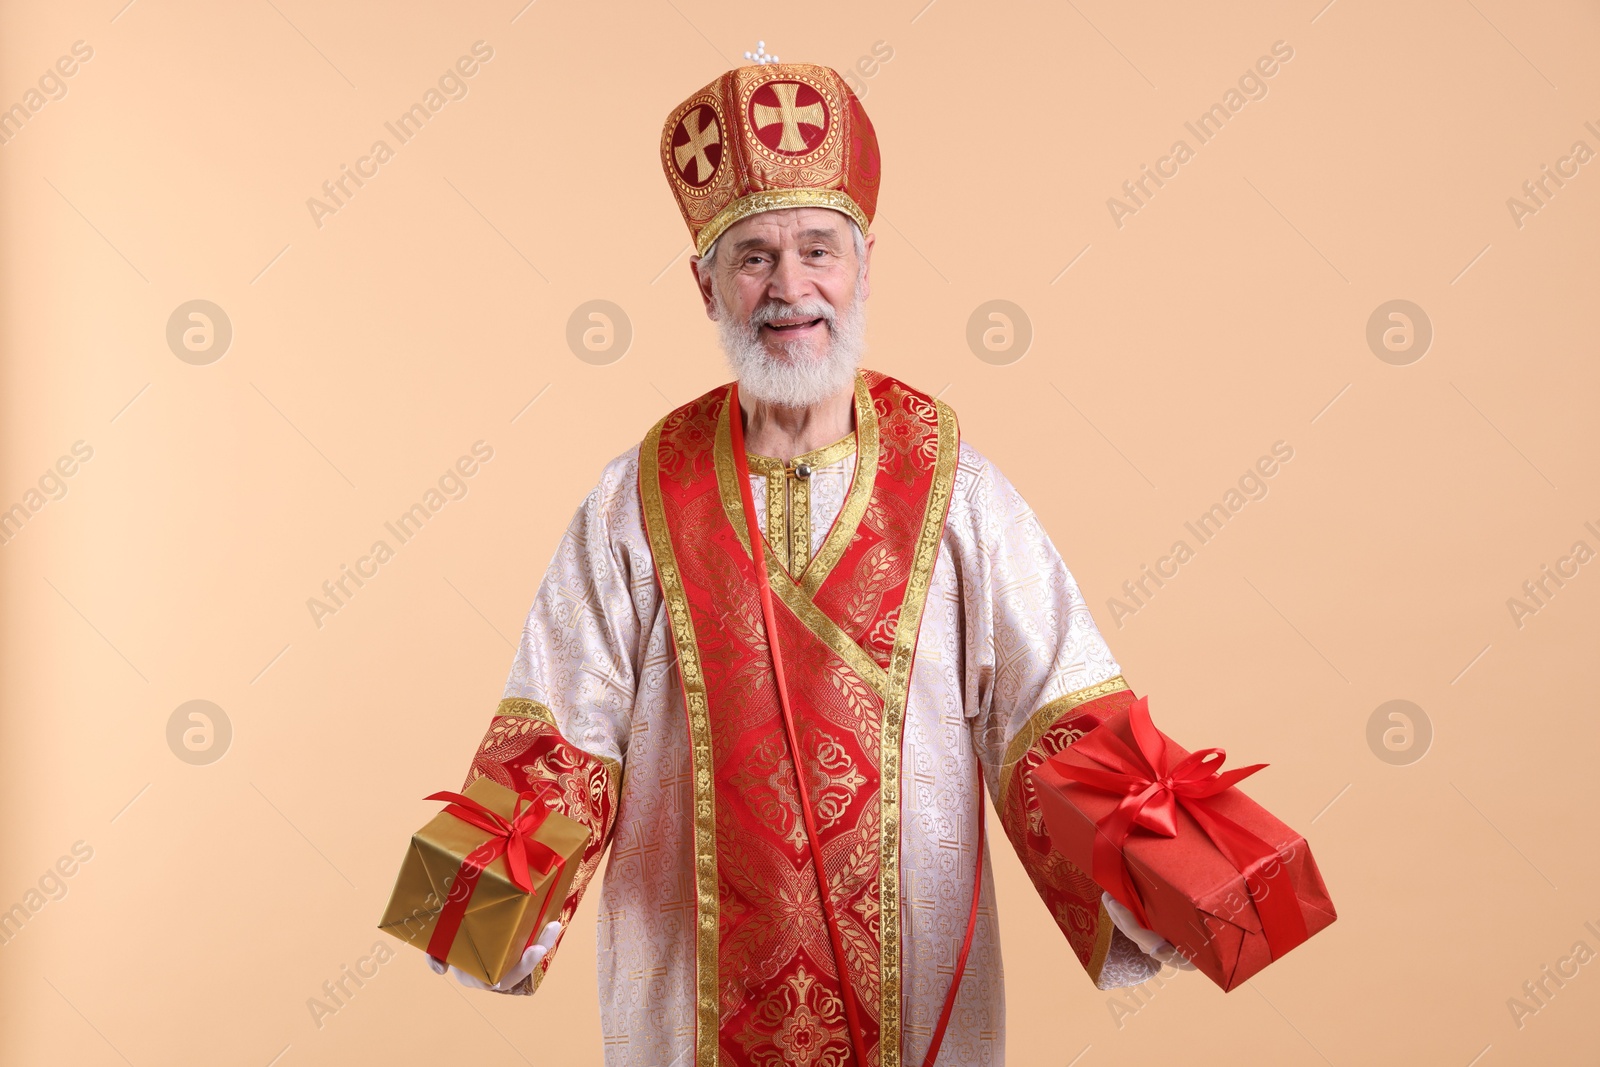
x=1232, y=889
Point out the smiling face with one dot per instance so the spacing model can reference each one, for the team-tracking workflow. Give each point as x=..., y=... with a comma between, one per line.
x=787, y=289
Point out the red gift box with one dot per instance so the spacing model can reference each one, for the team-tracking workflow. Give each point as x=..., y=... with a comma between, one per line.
x=1174, y=840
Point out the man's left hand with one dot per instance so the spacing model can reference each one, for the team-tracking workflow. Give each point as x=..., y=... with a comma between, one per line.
x=1150, y=943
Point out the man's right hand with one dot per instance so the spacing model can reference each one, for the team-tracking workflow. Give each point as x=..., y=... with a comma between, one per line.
x=512, y=978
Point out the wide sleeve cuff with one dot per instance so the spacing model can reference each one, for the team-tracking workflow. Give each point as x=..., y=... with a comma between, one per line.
x=1067, y=891
x=523, y=745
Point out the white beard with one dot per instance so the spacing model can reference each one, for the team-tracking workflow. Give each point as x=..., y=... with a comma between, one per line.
x=796, y=379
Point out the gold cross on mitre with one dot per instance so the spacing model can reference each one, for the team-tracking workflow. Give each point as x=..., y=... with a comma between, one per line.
x=791, y=116
x=695, y=148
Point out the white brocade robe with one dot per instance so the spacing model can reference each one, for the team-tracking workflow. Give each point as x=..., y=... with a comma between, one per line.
x=1004, y=633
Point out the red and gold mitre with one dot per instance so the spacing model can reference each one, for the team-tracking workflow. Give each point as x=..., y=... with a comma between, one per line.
x=769, y=136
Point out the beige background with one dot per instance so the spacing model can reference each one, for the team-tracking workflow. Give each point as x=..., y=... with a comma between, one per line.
x=1227, y=314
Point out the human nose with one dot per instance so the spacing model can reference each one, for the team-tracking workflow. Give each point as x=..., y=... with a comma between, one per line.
x=786, y=282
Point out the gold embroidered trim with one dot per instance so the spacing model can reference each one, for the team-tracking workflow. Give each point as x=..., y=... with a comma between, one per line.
x=777, y=493
x=894, y=709
x=772, y=199
x=728, y=477
x=799, y=523
x=783, y=586
x=844, y=527
x=826, y=630
x=523, y=708
x=855, y=501
x=1040, y=722
x=817, y=457
x=707, y=1013
x=1102, y=945
x=789, y=499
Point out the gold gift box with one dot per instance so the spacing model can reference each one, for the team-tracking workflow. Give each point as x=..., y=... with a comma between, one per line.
x=499, y=917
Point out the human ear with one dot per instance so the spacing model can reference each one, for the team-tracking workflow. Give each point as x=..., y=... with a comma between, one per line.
x=866, y=272
x=704, y=284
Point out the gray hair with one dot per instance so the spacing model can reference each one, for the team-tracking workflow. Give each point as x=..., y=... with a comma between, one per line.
x=708, y=262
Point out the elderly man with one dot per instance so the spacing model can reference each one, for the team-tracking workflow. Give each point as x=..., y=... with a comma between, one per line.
x=806, y=568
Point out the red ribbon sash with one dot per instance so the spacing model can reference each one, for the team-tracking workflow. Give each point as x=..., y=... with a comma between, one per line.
x=1152, y=786
x=514, y=838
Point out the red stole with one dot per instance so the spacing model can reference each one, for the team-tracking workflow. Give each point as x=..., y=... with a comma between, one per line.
x=768, y=990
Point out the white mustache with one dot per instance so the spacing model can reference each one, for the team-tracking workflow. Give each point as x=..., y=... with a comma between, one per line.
x=775, y=310
x=783, y=380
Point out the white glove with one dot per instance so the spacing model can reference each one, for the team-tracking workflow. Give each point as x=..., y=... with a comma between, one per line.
x=530, y=959
x=1150, y=943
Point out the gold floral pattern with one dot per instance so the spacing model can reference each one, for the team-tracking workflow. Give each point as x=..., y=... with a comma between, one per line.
x=799, y=1024
x=768, y=782
x=907, y=430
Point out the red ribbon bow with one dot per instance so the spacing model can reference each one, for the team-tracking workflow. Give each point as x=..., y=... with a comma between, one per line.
x=1152, y=787
x=514, y=838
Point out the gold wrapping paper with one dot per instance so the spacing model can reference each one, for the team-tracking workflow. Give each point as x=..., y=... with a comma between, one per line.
x=499, y=917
